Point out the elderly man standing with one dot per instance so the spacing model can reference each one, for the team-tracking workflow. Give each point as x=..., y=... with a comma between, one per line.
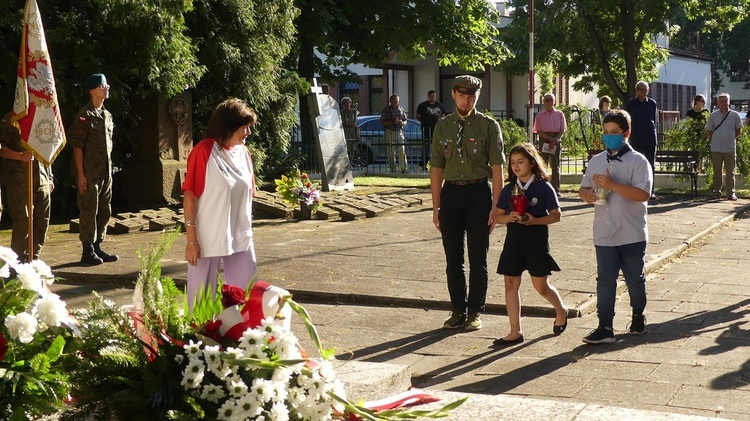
x=550, y=125
x=723, y=128
x=393, y=118
x=642, y=110
x=467, y=150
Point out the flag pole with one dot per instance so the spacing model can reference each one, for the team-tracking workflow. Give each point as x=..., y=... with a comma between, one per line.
x=30, y=208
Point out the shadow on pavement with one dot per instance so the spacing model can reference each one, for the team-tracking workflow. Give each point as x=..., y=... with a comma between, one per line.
x=682, y=327
x=387, y=351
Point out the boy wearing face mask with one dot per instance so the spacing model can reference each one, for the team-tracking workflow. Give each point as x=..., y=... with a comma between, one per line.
x=620, y=227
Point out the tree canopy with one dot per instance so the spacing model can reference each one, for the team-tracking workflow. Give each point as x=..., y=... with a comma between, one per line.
x=456, y=32
x=607, y=44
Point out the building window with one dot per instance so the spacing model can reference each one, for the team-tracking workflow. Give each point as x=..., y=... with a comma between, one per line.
x=739, y=72
x=673, y=97
x=351, y=89
x=375, y=90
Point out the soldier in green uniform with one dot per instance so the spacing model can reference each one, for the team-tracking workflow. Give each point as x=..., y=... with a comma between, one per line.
x=15, y=179
x=91, y=137
x=467, y=151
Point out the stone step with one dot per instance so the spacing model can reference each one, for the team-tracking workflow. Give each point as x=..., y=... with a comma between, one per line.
x=517, y=408
x=372, y=381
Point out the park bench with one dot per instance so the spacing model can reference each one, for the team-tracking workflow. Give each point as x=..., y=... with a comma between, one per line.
x=673, y=162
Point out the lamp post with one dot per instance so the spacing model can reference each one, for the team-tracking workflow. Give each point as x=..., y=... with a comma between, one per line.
x=530, y=116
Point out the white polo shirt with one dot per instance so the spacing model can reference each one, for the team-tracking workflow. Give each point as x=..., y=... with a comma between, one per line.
x=620, y=221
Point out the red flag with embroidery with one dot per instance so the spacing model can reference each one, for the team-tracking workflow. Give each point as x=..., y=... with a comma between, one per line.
x=36, y=112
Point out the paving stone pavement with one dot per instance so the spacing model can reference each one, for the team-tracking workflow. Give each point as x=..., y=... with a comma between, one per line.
x=376, y=289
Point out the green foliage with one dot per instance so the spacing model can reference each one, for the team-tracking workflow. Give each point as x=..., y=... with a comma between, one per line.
x=513, y=135
x=243, y=44
x=603, y=44
x=362, y=31
x=689, y=135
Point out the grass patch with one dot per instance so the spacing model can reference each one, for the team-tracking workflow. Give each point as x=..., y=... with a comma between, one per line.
x=374, y=181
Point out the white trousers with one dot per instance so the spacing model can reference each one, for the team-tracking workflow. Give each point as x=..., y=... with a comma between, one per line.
x=239, y=269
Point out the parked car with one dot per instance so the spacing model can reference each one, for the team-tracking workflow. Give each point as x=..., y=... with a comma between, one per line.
x=372, y=147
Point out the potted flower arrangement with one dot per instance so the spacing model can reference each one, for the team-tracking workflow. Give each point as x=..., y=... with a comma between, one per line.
x=35, y=339
x=232, y=358
x=297, y=189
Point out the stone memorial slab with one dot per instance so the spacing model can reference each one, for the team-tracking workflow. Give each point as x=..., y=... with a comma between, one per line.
x=129, y=225
x=160, y=224
x=336, y=173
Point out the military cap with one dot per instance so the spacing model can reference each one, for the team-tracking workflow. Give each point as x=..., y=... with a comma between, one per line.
x=468, y=83
x=93, y=81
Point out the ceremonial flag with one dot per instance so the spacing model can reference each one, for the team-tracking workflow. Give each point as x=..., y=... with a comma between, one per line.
x=36, y=112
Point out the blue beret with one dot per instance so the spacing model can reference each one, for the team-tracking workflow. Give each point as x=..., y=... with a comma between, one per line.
x=93, y=81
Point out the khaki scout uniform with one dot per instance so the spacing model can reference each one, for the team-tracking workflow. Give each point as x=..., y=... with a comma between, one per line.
x=14, y=177
x=91, y=131
x=465, y=203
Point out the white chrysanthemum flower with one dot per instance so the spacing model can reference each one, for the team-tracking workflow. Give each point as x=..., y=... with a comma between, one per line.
x=255, y=351
x=249, y=407
x=7, y=255
x=222, y=371
x=282, y=375
x=264, y=389
x=195, y=366
x=5, y=271
x=296, y=396
x=286, y=347
x=29, y=278
x=191, y=380
x=228, y=411
x=252, y=337
x=51, y=310
x=271, y=328
x=192, y=349
x=44, y=271
x=339, y=389
x=234, y=352
x=237, y=388
x=22, y=326
x=179, y=358
x=326, y=371
x=212, y=355
x=279, y=412
x=212, y=393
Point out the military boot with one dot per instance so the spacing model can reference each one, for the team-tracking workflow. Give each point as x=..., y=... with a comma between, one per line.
x=103, y=254
x=89, y=257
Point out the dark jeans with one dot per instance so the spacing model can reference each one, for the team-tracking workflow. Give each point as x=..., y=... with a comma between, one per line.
x=631, y=258
x=464, y=211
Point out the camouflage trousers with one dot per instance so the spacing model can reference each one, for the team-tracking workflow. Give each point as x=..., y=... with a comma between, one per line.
x=17, y=194
x=95, y=210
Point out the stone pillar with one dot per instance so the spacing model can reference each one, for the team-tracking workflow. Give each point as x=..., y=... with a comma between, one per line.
x=163, y=139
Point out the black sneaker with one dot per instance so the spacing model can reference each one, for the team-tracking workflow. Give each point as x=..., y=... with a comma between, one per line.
x=600, y=335
x=637, y=325
x=455, y=321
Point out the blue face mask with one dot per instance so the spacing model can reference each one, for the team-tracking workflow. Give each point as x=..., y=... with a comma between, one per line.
x=612, y=141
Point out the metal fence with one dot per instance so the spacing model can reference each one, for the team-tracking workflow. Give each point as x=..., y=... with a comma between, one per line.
x=368, y=155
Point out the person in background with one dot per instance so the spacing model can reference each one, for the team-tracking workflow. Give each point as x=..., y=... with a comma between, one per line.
x=550, y=126
x=90, y=134
x=604, y=106
x=699, y=110
x=325, y=89
x=723, y=127
x=642, y=110
x=623, y=177
x=349, y=123
x=393, y=119
x=467, y=150
x=14, y=176
x=429, y=113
